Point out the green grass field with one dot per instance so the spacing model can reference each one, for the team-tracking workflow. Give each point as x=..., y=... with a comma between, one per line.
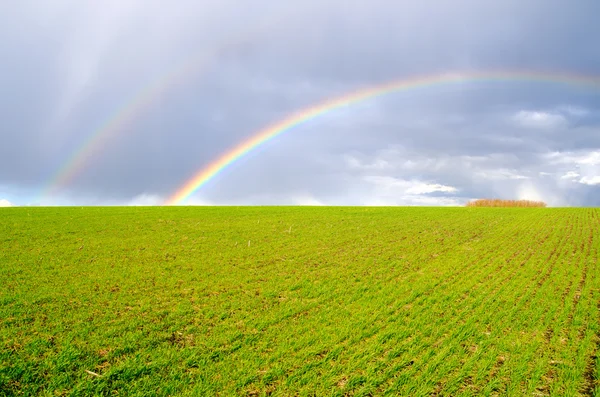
x=299, y=301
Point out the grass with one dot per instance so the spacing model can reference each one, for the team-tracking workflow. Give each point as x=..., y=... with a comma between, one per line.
x=310, y=301
x=505, y=203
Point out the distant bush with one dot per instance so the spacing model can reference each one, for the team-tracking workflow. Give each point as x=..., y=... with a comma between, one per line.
x=505, y=203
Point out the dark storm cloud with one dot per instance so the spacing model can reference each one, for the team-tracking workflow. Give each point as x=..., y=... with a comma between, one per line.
x=71, y=67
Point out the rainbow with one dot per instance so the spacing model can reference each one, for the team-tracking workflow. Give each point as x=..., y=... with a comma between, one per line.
x=99, y=137
x=210, y=171
x=132, y=108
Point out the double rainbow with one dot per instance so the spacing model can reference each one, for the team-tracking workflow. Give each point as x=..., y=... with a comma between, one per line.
x=96, y=139
x=213, y=169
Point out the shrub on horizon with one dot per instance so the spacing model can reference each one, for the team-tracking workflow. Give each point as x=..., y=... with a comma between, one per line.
x=505, y=203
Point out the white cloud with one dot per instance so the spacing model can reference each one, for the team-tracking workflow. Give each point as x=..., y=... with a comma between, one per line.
x=539, y=119
x=5, y=203
x=570, y=175
x=424, y=188
x=590, y=180
x=590, y=157
x=387, y=190
x=587, y=164
x=146, y=200
x=415, y=201
x=410, y=187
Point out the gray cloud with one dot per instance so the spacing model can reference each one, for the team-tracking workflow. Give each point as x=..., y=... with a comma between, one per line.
x=73, y=66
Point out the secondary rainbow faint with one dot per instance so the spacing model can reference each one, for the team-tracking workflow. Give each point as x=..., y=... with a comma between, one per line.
x=131, y=109
x=96, y=139
x=210, y=171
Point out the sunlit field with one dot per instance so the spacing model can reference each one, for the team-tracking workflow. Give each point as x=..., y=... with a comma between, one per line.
x=336, y=301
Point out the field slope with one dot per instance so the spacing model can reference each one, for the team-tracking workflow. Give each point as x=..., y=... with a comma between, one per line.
x=307, y=301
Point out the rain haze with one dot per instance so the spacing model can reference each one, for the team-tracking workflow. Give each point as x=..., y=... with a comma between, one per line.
x=123, y=102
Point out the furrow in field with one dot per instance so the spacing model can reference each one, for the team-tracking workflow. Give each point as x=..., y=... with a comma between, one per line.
x=586, y=249
x=554, y=330
x=492, y=361
x=457, y=318
x=552, y=357
x=543, y=308
x=288, y=318
x=553, y=315
x=346, y=338
x=419, y=298
x=498, y=361
x=407, y=281
x=591, y=330
x=550, y=262
x=584, y=326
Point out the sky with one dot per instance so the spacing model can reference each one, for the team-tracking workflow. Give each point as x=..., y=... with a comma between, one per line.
x=162, y=89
